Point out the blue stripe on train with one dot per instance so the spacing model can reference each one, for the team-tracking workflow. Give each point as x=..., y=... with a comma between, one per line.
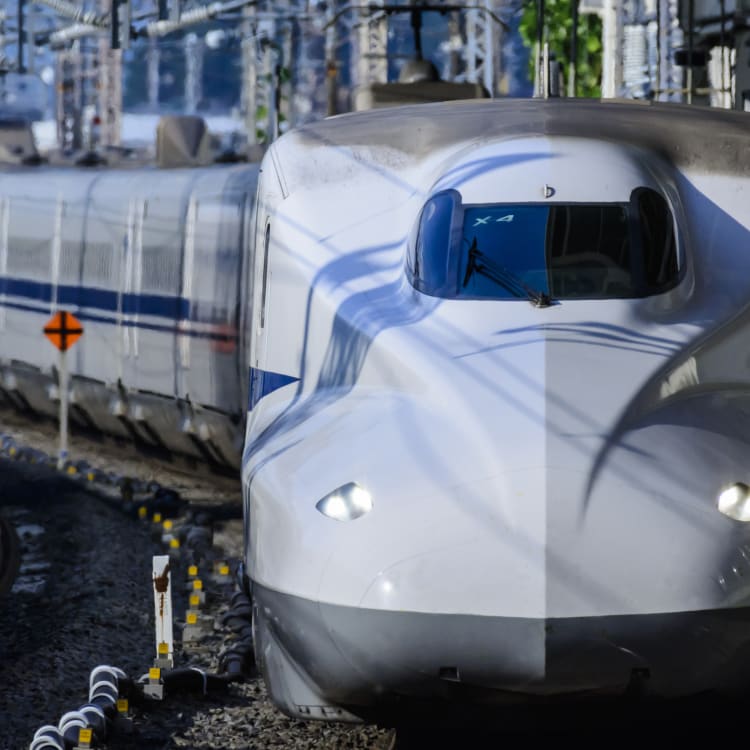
x=173, y=308
x=263, y=382
x=158, y=305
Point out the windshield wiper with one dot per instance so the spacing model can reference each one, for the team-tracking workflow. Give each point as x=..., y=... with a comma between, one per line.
x=480, y=263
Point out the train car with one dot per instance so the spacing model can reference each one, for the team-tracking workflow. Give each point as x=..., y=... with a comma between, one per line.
x=153, y=262
x=496, y=443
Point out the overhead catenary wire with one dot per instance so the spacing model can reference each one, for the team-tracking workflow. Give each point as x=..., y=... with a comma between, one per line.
x=193, y=17
x=73, y=32
x=76, y=12
x=91, y=24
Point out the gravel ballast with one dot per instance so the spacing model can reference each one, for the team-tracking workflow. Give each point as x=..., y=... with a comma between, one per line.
x=83, y=598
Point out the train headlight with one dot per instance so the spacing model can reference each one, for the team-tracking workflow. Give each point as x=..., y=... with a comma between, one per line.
x=734, y=502
x=346, y=503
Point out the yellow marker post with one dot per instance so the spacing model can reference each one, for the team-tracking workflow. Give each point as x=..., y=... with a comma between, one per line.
x=154, y=688
x=163, y=648
x=195, y=600
x=197, y=585
x=192, y=618
x=157, y=518
x=123, y=706
x=174, y=543
x=193, y=571
x=168, y=525
x=84, y=737
x=142, y=512
x=223, y=570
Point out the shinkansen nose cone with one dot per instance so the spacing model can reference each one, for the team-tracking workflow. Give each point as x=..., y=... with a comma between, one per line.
x=495, y=526
x=496, y=485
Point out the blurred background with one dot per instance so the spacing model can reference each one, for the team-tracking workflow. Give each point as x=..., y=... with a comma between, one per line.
x=98, y=73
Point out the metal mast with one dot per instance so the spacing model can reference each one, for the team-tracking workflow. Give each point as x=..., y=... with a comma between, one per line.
x=482, y=48
x=370, y=46
x=109, y=105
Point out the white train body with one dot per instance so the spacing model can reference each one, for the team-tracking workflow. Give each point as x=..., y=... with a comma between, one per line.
x=491, y=358
x=454, y=494
x=152, y=262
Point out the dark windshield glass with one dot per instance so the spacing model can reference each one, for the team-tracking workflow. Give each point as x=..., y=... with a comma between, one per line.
x=567, y=251
x=588, y=250
x=510, y=236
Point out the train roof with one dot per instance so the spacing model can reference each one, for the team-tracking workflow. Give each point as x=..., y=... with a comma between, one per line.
x=399, y=139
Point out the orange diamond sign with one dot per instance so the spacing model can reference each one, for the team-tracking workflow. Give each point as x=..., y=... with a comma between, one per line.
x=63, y=330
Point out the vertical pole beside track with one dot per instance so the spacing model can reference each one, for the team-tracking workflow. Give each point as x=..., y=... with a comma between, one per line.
x=63, y=330
x=62, y=456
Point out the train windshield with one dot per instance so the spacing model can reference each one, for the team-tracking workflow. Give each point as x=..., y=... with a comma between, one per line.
x=535, y=251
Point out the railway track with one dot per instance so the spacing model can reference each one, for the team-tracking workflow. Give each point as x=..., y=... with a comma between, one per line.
x=94, y=605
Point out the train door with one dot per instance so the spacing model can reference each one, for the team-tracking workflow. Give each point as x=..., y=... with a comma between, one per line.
x=28, y=272
x=186, y=349
x=106, y=231
x=157, y=307
x=127, y=317
x=260, y=283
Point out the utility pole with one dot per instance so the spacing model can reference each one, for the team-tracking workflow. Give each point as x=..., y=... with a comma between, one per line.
x=371, y=47
x=538, y=50
x=152, y=73
x=331, y=55
x=193, y=72
x=742, y=70
x=483, y=42
x=612, y=33
x=248, y=92
x=572, y=67
x=21, y=40
x=109, y=84
x=69, y=78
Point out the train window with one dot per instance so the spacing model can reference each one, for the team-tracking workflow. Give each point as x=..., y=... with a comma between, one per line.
x=71, y=247
x=658, y=240
x=588, y=251
x=429, y=257
x=162, y=248
x=31, y=226
x=504, y=239
x=565, y=250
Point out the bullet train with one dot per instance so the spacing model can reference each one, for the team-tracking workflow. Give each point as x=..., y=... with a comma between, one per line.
x=490, y=359
x=503, y=456
x=153, y=264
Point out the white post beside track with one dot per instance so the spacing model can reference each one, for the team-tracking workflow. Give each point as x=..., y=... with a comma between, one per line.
x=162, y=583
x=62, y=456
x=63, y=330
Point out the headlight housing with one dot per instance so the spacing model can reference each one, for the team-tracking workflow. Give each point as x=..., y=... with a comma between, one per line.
x=346, y=503
x=734, y=501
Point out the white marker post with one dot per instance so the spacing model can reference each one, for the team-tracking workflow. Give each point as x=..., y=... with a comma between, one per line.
x=62, y=455
x=63, y=330
x=162, y=583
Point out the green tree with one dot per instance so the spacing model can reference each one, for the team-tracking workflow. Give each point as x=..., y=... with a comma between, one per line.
x=559, y=28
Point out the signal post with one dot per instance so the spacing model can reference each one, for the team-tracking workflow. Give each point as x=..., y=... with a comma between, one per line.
x=63, y=330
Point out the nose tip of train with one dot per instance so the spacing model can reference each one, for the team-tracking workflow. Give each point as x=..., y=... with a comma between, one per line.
x=581, y=596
